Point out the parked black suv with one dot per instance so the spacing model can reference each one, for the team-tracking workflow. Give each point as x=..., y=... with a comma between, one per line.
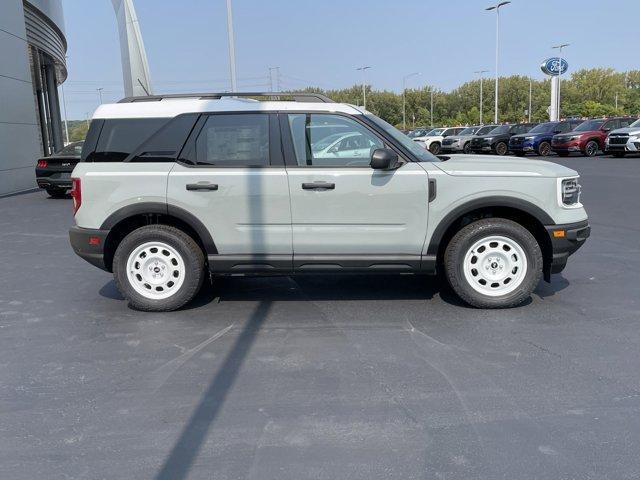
x=54, y=173
x=497, y=140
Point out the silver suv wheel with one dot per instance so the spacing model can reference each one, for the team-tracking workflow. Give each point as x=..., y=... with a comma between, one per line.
x=155, y=270
x=495, y=266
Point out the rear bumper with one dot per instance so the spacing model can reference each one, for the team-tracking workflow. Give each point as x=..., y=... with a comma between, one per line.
x=575, y=234
x=47, y=178
x=88, y=244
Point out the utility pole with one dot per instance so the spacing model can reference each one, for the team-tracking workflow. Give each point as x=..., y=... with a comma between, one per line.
x=404, y=98
x=616, y=101
x=100, y=94
x=277, y=69
x=481, y=72
x=559, y=47
x=232, y=47
x=364, y=85
x=496, y=7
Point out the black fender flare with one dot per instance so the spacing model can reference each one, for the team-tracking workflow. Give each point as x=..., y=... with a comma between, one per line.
x=146, y=208
x=485, y=202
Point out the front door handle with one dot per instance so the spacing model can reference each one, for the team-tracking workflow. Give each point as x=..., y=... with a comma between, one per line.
x=202, y=186
x=318, y=186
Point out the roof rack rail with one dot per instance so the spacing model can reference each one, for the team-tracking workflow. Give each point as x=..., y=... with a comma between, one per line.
x=296, y=96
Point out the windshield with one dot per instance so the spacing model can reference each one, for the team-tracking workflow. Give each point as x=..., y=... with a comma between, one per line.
x=486, y=129
x=73, y=149
x=468, y=131
x=636, y=123
x=422, y=154
x=436, y=131
x=419, y=132
x=500, y=129
x=589, y=125
x=543, y=127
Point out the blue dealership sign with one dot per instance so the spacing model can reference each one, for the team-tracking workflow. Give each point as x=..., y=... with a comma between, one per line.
x=554, y=66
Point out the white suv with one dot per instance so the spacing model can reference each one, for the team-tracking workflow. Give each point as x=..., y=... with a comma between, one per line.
x=173, y=188
x=433, y=141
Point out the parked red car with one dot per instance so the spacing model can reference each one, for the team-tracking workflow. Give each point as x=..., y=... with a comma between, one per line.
x=588, y=137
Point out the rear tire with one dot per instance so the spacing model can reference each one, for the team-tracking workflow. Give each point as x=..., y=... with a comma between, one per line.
x=55, y=192
x=435, y=148
x=544, y=149
x=501, y=148
x=493, y=263
x=158, y=268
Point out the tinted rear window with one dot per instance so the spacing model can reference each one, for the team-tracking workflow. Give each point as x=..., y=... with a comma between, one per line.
x=120, y=137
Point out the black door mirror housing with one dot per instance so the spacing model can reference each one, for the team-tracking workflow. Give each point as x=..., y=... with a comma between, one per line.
x=384, y=159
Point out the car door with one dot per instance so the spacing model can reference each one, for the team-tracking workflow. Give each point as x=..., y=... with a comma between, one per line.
x=345, y=214
x=231, y=177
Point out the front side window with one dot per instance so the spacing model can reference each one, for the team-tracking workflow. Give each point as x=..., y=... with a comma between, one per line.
x=325, y=140
x=240, y=140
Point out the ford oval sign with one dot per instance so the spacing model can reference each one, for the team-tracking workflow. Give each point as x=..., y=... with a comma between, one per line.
x=554, y=66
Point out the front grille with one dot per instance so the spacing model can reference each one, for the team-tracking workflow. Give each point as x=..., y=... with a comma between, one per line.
x=618, y=139
x=516, y=140
x=559, y=140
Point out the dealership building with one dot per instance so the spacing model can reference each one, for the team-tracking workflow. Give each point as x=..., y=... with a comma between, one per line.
x=32, y=66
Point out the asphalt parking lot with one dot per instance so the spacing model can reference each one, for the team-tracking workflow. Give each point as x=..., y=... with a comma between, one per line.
x=322, y=377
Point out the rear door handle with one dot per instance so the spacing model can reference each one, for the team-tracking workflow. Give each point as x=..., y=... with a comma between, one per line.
x=202, y=186
x=318, y=186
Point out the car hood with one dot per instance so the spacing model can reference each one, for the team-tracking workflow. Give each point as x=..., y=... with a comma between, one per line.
x=494, y=166
x=629, y=130
x=497, y=135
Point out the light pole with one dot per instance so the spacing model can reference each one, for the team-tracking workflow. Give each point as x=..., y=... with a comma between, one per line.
x=496, y=7
x=64, y=108
x=431, y=107
x=404, y=98
x=100, y=94
x=530, y=91
x=364, y=88
x=481, y=72
x=559, y=47
x=232, y=47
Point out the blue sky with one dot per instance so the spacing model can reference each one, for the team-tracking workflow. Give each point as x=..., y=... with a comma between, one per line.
x=321, y=42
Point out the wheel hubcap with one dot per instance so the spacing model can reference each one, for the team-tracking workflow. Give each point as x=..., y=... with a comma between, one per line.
x=495, y=266
x=155, y=270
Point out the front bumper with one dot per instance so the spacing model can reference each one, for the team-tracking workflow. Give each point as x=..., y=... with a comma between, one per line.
x=572, y=146
x=629, y=147
x=88, y=243
x=523, y=147
x=565, y=240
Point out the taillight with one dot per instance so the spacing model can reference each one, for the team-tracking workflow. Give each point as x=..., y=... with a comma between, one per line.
x=42, y=164
x=76, y=194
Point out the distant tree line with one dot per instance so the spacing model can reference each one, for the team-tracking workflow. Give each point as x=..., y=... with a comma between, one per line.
x=586, y=93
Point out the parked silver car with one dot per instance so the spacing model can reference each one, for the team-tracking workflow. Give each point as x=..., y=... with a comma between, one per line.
x=460, y=143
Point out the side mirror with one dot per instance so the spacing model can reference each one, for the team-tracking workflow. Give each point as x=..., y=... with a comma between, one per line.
x=384, y=159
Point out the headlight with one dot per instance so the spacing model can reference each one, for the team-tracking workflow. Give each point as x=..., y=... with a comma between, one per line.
x=489, y=139
x=529, y=138
x=574, y=137
x=569, y=191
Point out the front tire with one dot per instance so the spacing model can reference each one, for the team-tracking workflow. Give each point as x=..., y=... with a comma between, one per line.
x=158, y=268
x=544, y=149
x=493, y=263
x=466, y=148
x=591, y=148
x=501, y=148
x=435, y=148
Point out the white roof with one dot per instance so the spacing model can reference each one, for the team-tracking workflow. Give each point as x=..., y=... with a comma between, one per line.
x=170, y=107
